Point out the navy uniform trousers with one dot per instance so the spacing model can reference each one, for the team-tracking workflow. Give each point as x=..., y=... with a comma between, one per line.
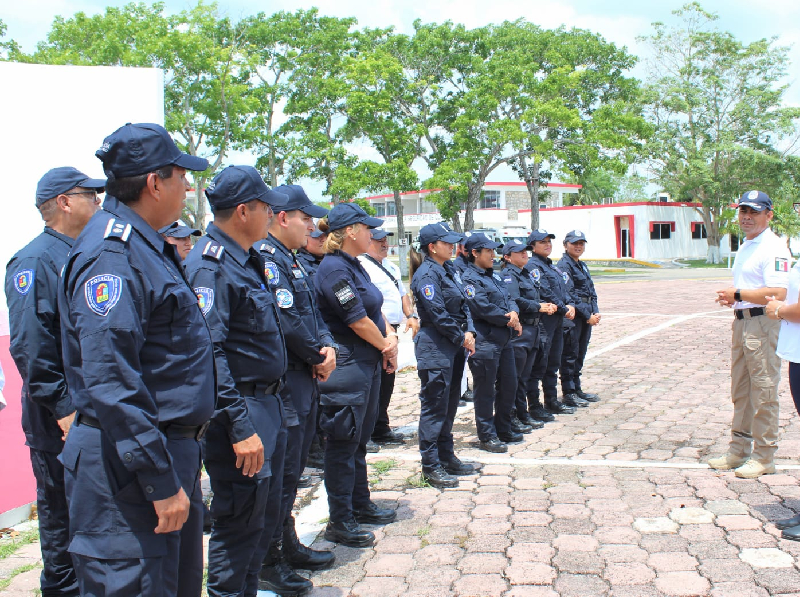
x=526, y=349
x=576, y=343
x=239, y=507
x=440, y=391
x=58, y=574
x=547, y=362
x=494, y=379
x=92, y=465
x=348, y=428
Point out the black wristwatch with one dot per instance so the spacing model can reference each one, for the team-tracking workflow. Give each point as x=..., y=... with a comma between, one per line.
x=737, y=295
x=335, y=347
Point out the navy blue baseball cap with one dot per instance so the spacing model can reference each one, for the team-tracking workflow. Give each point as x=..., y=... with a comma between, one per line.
x=478, y=241
x=576, y=235
x=299, y=200
x=379, y=234
x=514, y=246
x=539, y=235
x=316, y=233
x=236, y=185
x=435, y=232
x=139, y=148
x=179, y=230
x=63, y=179
x=756, y=200
x=349, y=213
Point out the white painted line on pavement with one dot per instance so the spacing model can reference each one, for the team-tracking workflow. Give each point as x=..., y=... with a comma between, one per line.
x=645, y=332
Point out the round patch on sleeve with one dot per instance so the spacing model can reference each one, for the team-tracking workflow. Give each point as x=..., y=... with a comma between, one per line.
x=566, y=277
x=102, y=293
x=429, y=292
x=205, y=298
x=535, y=275
x=470, y=291
x=284, y=298
x=23, y=281
x=272, y=273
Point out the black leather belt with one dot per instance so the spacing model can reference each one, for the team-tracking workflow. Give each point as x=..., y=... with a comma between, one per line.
x=298, y=366
x=253, y=390
x=533, y=321
x=752, y=312
x=173, y=431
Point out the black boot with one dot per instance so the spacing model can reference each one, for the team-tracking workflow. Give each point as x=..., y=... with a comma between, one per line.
x=518, y=426
x=529, y=420
x=572, y=399
x=277, y=576
x=555, y=407
x=587, y=396
x=537, y=412
x=300, y=556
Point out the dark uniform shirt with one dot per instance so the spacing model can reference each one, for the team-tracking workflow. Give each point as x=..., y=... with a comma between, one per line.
x=303, y=328
x=488, y=301
x=460, y=263
x=440, y=300
x=553, y=286
x=245, y=329
x=309, y=262
x=31, y=293
x=137, y=351
x=524, y=289
x=583, y=293
x=345, y=294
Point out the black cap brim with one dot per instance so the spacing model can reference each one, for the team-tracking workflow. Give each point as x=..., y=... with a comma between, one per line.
x=371, y=222
x=191, y=163
x=452, y=238
x=93, y=184
x=312, y=210
x=275, y=199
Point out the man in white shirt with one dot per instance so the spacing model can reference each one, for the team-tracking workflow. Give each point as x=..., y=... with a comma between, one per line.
x=760, y=271
x=385, y=275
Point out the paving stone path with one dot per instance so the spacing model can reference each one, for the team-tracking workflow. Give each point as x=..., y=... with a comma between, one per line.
x=614, y=500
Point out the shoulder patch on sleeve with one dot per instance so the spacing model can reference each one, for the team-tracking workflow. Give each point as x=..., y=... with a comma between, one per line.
x=344, y=294
x=781, y=265
x=117, y=230
x=265, y=247
x=213, y=251
x=102, y=293
x=429, y=291
x=205, y=298
x=272, y=273
x=284, y=298
x=470, y=291
x=23, y=281
x=536, y=275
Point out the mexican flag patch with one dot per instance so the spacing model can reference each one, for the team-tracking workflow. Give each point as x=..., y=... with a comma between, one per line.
x=782, y=265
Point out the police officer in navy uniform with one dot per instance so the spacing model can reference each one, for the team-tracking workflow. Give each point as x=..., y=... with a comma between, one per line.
x=246, y=433
x=310, y=256
x=140, y=369
x=446, y=331
x=524, y=289
x=351, y=307
x=66, y=200
x=496, y=319
x=553, y=290
x=311, y=355
x=180, y=236
x=587, y=315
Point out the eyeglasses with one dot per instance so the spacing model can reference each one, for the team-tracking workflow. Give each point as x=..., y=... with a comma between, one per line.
x=91, y=193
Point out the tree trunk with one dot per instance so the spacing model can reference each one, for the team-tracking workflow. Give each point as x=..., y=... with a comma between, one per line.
x=532, y=183
x=713, y=256
x=711, y=221
x=402, y=247
x=457, y=223
x=473, y=196
x=197, y=213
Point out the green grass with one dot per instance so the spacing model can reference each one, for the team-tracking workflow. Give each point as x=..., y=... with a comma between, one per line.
x=9, y=547
x=423, y=531
x=4, y=583
x=701, y=263
x=384, y=466
x=417, y=481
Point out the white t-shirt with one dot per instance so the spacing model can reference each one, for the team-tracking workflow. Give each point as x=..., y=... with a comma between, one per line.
x=789, y=337
x=392, y=295
x=761, y=262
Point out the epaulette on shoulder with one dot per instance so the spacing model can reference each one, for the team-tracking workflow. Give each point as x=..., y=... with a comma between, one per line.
x=213, y=251
x=265, y=247
x=117, y=230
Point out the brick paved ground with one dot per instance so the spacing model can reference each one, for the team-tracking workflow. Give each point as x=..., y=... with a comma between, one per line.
x=614, y=500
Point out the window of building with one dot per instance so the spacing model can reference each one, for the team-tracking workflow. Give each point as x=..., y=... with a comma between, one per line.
x=661, y=230
x=699, y=230
x=490, y=199
x=391, y=209
x=426, y=206
x=380, y=210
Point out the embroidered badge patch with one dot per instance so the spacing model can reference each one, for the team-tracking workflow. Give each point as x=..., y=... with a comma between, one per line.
x=457, y=277
x=298, y=274
x=23, y=281
x=429, y=292
x=272, y=273
x=205, y=298
x=535, y=275
x=496, y=276
x=284, y=298
x=781, y=265
x=470, y=291
x=103, y=293
x=566, y=277
x=345, y=295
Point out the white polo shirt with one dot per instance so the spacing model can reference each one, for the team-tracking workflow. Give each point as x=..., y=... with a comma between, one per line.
x=392, y=295
x=789, y=337
x=761, y=262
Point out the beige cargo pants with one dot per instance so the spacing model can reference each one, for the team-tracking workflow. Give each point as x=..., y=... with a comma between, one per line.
x=755, y=375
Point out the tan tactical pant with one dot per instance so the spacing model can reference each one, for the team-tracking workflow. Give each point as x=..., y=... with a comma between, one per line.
x=755, y=375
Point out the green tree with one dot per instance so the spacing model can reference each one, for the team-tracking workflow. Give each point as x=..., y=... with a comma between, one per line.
x=597, y=184
x=8, y=48
x=716, y=104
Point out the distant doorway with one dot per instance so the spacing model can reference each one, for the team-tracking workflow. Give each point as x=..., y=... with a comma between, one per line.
x=623, y=228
